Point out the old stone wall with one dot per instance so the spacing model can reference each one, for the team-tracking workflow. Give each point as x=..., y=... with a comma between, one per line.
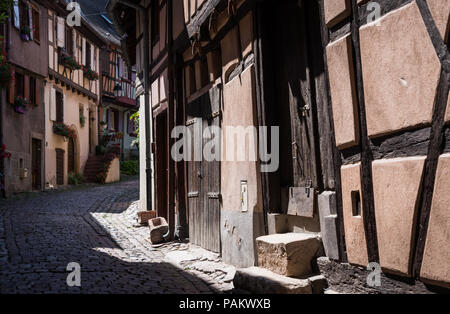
x=389, y=85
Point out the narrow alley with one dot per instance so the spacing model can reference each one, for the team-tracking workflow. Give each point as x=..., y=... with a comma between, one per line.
x=95, y=227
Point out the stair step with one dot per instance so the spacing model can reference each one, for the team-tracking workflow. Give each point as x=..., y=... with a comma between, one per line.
x=262, y=281
x=288, y=254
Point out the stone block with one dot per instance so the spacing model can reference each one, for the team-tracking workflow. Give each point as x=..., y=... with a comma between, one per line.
x=262, y=281
x=440, y=10
x=343, y=93
x=328, y=224
x=401, y=71
x=277, y=223
x=145, y=216
x=352, y=199
x=288, y=254
x=396, y=185
x=435, y=265
x=158, y=228
x=318, y=284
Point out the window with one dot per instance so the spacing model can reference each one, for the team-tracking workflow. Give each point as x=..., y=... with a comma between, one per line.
x=20, y=84
x=59, y=107
x=131, y=126
x=69, y=41
x=33, y=91
x=88, y=56
x=356, y=203
x=36, y=25
x=155, y=22
x=23, y=15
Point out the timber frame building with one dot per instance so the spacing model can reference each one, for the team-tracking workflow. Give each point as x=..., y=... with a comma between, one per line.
x=362, y=110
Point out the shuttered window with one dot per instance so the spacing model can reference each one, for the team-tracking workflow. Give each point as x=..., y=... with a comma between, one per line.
x=59, y=107
x=36, y=25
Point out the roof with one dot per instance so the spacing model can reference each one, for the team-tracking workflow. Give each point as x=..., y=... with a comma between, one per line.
x=94, y=11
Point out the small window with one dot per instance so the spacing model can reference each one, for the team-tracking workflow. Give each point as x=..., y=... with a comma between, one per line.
x=59, y=107
x=356, y=203
x=88, y=56
x=23, y=15
x=69, y=41
x=20, y=84
x=36, y=25
x=33, y=94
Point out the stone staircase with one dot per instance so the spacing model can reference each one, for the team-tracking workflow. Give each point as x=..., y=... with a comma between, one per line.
x=285, y=266
x=94, y=165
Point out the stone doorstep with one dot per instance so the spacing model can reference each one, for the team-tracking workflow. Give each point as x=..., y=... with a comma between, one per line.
x=262, y=281
x=288, y=254
x=145, y=216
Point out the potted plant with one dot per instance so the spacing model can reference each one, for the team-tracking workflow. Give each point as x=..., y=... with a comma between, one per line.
x=68, y=61
x=5, y=73
x=25, y=33
x=63, y=130
x=20, y=104
x=82, y=121
x=89, y=74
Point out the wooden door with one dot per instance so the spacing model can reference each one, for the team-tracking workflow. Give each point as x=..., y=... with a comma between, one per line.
x=203, y=177
x=36, y=163
x=291, y=106
x=59, y=166
x=162, y=164
x=71, y=156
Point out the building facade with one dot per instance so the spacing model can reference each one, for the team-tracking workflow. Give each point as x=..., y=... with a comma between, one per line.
x=356, y=104
x=22, y=98
x=72, y=94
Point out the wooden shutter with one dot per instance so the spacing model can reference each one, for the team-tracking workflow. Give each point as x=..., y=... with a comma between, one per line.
x=84, y=52
x=26, y=79
x=92, y=58
x=37, y=88
x=52, y=104
x=36, y=25
x=61, y=29
x=16, y=15
x=12, y=85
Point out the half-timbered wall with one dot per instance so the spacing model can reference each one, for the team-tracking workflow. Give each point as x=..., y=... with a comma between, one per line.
x=389, y=86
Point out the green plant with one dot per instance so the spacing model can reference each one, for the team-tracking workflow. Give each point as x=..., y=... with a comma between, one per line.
x=25, y=30
x=130, y=167
x=5, y=6
x=20, y=104
x=5, y=72
x=64, y=130
x=75, y=178
x=90, y=74
x=135, y=117
x=69, y=62
x=100, y=150
x=82, y=121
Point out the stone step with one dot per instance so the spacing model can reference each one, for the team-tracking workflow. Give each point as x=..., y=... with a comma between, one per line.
x=288, y=254
x=262, y=281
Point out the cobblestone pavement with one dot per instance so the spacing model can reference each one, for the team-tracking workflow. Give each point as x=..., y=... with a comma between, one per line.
x=95, y=227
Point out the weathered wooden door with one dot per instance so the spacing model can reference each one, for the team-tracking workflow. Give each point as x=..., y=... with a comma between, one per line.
x=71, y=156
x=59, y=166
x=292, y=107
x=36, y=163
x=203, y=176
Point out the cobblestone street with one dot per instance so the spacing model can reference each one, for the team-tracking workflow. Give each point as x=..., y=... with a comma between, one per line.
x=94, y=226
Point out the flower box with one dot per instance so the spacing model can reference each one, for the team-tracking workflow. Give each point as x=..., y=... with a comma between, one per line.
x=63, y=130
x=20, y=105
x=90, y=74
x=68, y=61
